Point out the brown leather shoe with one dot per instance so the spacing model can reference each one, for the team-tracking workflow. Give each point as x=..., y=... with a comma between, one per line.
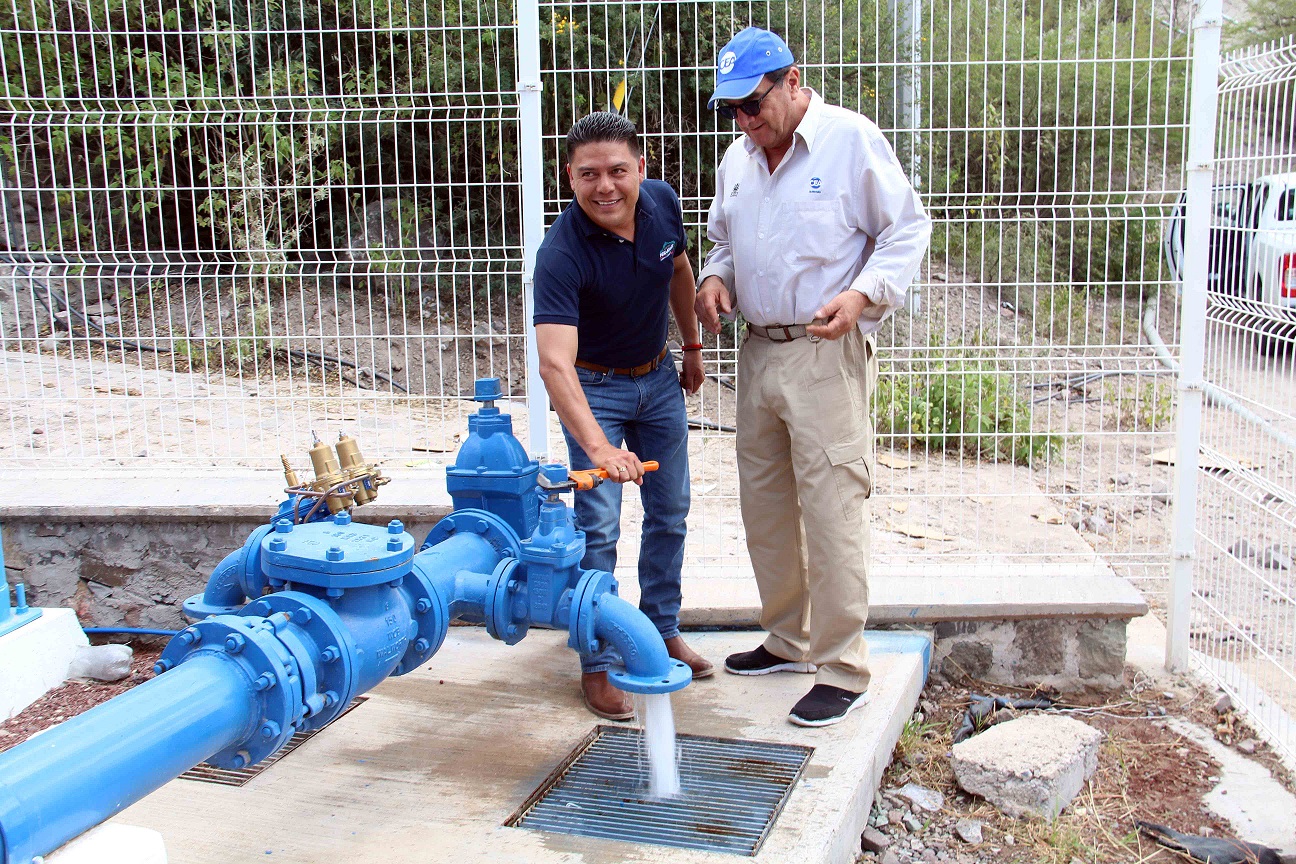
x=702, y=667
x=603, y=699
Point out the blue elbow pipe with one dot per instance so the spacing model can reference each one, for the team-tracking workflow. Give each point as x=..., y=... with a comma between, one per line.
x=648, y=668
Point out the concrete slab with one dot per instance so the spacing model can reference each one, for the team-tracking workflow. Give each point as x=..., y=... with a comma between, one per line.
x=34, y=658
x=430, y=767
x=112, y=843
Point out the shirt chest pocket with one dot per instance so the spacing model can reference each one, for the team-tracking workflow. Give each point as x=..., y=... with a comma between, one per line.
x=817, y=230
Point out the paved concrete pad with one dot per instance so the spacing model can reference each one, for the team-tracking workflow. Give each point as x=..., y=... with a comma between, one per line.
x=430, y=767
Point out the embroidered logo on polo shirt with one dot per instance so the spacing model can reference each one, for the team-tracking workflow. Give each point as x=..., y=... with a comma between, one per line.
x=816, y=185
x=733, y=191
x=667, y=248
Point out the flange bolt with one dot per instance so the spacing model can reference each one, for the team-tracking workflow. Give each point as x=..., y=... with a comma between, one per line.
x=395, y=527
x=161, y=666
x=330, y=699
x=330, y=654
x=263, y=682
x=190, y=637
x=283, y=526
x=342, y=517
x=278, y=544
x=394, y=544
x=238, y=762
x=270, y=729
x=422, y=606
x=234, y=643
x=421, y=645
x=334, y=553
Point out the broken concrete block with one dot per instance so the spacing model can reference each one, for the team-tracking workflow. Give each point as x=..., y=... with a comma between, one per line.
x=1033, y=765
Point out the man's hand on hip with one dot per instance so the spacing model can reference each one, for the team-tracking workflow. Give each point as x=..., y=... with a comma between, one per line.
x=622, y=466
x=692, y=376
x=839, y=315
x=712, y=300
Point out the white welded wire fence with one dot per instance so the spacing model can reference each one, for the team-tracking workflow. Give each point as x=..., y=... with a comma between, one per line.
x=229, y=225
x=1242, y=625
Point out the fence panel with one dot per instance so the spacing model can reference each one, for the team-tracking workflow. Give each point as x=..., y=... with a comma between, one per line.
x=1243, y=621
x=1047, y=140
x=228, y=224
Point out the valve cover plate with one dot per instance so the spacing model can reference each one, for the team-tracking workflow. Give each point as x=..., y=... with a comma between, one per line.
x=733, y=790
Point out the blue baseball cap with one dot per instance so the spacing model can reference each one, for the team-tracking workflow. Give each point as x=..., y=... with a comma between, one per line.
x=744, y=62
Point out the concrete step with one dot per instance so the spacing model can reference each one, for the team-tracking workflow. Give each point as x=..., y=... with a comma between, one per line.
x=430, y=767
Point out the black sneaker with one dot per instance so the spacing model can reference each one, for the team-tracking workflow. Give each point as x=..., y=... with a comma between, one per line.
x=825, y=705
x=762, y=662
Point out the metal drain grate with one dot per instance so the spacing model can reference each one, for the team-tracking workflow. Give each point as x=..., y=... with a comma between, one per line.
x=733, y=792
x=204, y=773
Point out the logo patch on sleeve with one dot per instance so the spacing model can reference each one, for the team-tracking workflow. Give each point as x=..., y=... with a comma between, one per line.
x=667, y=248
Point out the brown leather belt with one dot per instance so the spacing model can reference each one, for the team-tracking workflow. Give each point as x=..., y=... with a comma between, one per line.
x=632, y=371
x=781, y=332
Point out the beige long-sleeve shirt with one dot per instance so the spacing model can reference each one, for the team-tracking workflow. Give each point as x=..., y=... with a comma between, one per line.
x=837, y=212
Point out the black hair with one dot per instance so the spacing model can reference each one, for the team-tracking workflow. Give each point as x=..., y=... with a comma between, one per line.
x=777, y=76
x=602, y=126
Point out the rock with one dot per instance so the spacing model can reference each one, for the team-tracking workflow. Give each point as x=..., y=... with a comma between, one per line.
x=1241, y=549
x=1033, y=765
x=921, y=797
x=912, y=823
x=1223, y=704
x=889, y=857
x=894, y=817
x=1167, y=694
x=1275, y=558
x=49, y=345
x=929, y=855
x=968, y=830
x=873, y=840
x=1096, y=524
x=1248, y=746
x=1125, y=478
x=1073, y=518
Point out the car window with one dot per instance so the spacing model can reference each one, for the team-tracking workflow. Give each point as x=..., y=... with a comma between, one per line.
x=1287, y=206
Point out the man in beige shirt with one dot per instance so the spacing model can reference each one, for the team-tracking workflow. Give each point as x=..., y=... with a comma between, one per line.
x=817, y=234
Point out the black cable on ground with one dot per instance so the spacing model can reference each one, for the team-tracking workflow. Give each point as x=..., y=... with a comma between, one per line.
x=321, y=360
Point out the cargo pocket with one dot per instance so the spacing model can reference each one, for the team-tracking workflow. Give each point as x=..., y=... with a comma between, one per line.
x=852, y=472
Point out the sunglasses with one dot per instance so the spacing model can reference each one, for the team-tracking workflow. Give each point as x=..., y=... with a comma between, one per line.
x=751, y=107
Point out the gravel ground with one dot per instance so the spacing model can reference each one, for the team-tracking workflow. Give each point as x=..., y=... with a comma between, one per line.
x=1145, y=771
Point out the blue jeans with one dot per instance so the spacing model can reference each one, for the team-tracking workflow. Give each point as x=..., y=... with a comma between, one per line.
x=646, y=414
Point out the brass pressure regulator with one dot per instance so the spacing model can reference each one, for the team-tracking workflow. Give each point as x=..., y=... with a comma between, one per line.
x=342, y=480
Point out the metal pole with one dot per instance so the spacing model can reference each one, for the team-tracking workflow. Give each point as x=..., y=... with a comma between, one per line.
x=907, y=15
x=1192, y=346
x=531, y=151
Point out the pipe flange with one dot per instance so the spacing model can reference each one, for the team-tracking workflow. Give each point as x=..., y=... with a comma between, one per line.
x=677, y=678
x=430, y=612
x=252, y=643
x=500, y=621
x=584, y=599
x=498, y=533
x=326, y=658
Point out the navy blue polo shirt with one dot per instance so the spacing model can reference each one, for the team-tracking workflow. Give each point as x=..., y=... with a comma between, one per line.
x=615, y=292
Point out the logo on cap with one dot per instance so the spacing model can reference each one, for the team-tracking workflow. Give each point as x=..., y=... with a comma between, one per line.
x=727, y=62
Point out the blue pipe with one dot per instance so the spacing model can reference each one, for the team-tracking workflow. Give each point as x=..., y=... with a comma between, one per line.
x=127, y=631
x=648, y=668
x=81, y=772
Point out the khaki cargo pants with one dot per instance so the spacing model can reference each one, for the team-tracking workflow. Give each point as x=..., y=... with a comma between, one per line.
x=805, y=453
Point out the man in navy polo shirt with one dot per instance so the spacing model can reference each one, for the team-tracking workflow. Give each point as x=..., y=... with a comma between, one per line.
x=606, y=273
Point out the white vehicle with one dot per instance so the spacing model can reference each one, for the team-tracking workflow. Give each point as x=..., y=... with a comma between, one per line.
x=1252, y=241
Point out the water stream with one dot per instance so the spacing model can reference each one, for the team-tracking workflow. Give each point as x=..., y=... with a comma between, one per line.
x=658, y=723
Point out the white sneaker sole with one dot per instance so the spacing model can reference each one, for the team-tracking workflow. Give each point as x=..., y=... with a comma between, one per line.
x=780, y=667
x=828, y=721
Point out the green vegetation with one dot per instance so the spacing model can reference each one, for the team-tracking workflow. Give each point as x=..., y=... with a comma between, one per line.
x=1262, y=21
x=1141, y=406
x=961, y=404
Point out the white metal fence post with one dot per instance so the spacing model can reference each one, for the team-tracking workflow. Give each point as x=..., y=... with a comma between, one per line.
x=1201, y=153
x=531, y=149
x=908, y=17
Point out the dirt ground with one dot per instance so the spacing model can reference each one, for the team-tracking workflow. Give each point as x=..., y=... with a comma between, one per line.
x=1146, y=771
